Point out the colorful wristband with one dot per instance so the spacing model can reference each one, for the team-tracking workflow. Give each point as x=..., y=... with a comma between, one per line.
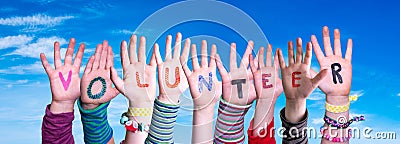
x=335, y=139
x=96, y=128
x=140, y=111
x=343, y=123
x=337, y=109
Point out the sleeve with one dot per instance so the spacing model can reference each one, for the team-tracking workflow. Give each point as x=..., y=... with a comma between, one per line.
x=96, y=128
x=229, y=127
x=266, y=136
x=162, y=123
x=294, y=132
x=57, y=128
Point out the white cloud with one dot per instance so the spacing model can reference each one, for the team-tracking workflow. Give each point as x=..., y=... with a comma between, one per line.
x=316, y=95
x=398, y=94
x=45, y=45
x=123, y=31
x=34, y=20
x=317, y=121
x=35, y=68
x=14, y=41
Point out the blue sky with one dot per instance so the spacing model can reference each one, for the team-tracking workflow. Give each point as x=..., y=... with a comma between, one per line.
x=30, y=27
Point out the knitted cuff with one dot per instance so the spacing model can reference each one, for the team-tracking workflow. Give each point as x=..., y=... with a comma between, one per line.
x=230, y=123
x=294, y=132
x=162, y=123
x=96, y=128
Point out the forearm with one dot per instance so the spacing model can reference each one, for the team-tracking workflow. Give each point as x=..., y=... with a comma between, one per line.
x=202, y=131
x=57, y=126
x=337, y=101
x=262, y=115
x=229, y=127
x=139, y=137
x=162, y=122
x=295, y=110
x=95, y=124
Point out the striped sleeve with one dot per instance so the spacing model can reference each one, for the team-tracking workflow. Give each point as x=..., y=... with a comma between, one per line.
x=294, y=132
x=162, y=123
x=96, y=128
x=230, y=123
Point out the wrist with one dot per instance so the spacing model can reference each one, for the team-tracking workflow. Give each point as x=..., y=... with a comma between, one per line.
x=169, y=99
x=295, y=109
x=141, y=104
x=57, y=107
x=337, y=100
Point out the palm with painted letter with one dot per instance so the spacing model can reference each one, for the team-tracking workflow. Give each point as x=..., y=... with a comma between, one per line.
x=139, y=81
x=339, y=82
x=64, y=79
x=172, y=80
x=96, y=84
x=204, y=85
x=296, y=78
x=237, y=87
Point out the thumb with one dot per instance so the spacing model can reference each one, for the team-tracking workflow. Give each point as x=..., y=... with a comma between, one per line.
x=118, y=82
x=319, y=77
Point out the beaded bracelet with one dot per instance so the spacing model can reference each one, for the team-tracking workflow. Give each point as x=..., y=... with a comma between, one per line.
x=133, y=125
x=335, y=139
x=342, y=124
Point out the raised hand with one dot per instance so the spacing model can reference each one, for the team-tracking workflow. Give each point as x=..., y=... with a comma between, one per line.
x=237, y=87
x=96, y=84
x=204, y=85
x=268, y=87
x=139, y=83
x=64, y=79
x=267, y=83
x=339, y=82
x=172, y=80
x=297, y=81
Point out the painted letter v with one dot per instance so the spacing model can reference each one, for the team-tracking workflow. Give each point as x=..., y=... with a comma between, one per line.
x=65, y=83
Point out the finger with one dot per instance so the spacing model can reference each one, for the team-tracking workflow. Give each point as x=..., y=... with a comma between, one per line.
x=281, y=59
x=327, y=41
x=185, y=54
x=153, y=61
x=299, y=50
x=336, y=42
x=213, y=55
x=195, y=62
x=269, y=56
x=158, y=55
x=318, y=78
x=233, y=63
x=253, y=66
x=118, y=82
x=97, y=57
x=89, y=65
x=132, y=49
x=349, y=50
x=142, y=50
x=245, y=59
x=124, y=55
x=261, y=57
x=317, y=49
x=255, y=60
x=177, y=48
x=47, y=67
x=221, y=67
x=307, y=59
x=204, y=55
x=276, y=63
x=313, y=73
x=168, y=54
x=70, y=52
x=110, y=58
x=290, y=53
x=79, y=55
x=104, y=53
x=57, y=57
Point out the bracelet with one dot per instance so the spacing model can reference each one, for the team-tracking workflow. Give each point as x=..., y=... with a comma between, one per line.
x=140, y=111
x=133, y=125
x=343, y=123
x=337, y=109
x=335, y=139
